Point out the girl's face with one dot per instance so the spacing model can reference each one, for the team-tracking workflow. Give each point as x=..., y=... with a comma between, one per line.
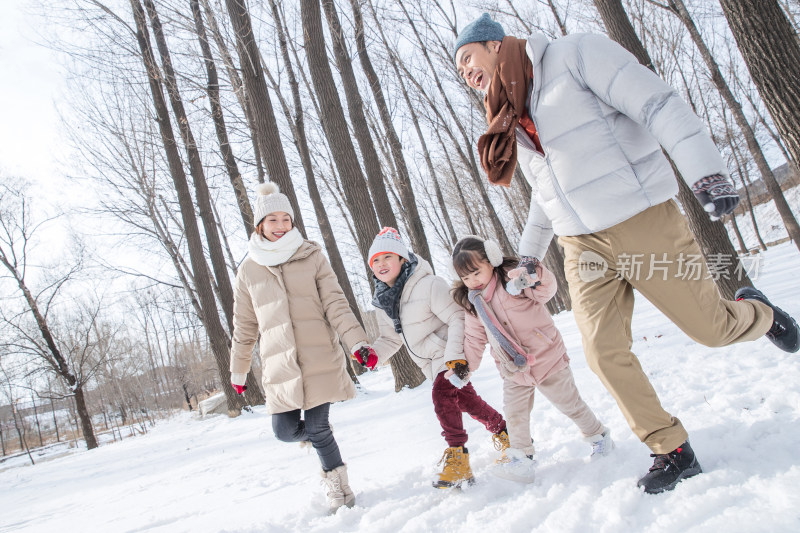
x=479, y=278
x=275, y=225
x=386, y=267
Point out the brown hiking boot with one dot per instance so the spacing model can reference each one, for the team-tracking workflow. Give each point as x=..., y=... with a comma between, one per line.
x=456, y=469
x=501, y=444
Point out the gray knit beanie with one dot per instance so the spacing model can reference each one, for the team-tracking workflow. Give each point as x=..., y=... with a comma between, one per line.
x=479, y=30
x=269, y=199
x=388, y=240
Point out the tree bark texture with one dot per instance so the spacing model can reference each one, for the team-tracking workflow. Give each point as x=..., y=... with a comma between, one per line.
x=336, y=130
x=299, y=132
x=355, y=108
x=260, y=104
x=220, y=268
x=353, y=183
x=212, y=88
x=789, y=221
x=414, y=221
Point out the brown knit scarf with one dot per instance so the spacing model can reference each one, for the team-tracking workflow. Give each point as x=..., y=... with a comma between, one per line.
x=505, y=104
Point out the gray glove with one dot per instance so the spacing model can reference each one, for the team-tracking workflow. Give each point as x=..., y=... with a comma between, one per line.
x=717, y=195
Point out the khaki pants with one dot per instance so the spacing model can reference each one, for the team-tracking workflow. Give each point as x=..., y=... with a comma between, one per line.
x=655, y=244
x=560, y=389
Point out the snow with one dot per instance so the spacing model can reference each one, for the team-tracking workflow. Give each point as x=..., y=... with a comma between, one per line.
x=741, y=405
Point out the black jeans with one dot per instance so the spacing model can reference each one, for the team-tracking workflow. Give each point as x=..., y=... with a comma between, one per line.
x=289, y=427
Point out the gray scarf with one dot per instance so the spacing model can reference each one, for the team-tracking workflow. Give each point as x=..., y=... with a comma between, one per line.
x=495, y=329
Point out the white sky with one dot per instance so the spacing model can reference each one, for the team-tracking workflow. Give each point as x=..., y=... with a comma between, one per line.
x=31, y=82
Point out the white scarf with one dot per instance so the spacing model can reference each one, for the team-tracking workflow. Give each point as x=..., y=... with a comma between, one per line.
x=269, y=253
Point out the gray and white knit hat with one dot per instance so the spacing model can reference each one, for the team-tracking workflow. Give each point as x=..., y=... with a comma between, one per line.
x=269, y=199
x=388, y=240
x=479, y=30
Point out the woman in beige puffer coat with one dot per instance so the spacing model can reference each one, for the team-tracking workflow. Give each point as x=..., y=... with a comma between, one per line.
x=287, y=292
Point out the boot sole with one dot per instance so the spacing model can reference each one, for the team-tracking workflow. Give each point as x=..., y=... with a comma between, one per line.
x=686, y=474
x=448, y=485
x=746, y=293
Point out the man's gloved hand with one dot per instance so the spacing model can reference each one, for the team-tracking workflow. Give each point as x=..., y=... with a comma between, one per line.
x=717, y=195
x=366, y=356
x=528, y=263
x=239, y=388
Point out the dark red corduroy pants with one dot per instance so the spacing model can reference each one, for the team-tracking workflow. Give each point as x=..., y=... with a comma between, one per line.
x=450, y=402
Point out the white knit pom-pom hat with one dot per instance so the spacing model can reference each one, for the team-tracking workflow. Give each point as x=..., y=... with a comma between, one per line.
x=388, y=240
x=269, y=199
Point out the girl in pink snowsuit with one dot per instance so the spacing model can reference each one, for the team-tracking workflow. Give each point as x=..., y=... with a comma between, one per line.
x=526, y=345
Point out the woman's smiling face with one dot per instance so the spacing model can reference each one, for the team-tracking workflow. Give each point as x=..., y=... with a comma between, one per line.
x=275, y=225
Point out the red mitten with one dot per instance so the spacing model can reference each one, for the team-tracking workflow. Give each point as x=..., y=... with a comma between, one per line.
x=367, y=357
x=239, y=388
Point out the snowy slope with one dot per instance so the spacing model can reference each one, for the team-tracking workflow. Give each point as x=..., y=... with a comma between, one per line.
x=741, y=405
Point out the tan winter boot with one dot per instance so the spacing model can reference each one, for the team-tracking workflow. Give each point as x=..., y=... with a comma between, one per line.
x=456, y=468
x=501, y=444
x=338, y=486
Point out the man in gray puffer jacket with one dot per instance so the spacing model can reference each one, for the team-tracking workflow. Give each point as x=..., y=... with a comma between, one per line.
x=586, y=123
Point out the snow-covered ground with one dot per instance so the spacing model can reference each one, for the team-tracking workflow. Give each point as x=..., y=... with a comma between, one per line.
x=741, y=405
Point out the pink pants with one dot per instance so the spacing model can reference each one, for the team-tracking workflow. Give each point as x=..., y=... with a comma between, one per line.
x=559, y=387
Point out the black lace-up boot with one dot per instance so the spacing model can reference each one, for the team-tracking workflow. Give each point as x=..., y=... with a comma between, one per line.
x=784, y=332
x=669, y=469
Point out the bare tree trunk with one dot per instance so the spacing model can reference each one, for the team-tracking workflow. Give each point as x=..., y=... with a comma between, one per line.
x=336, y=130
x=553, y=259
x=742, y=246
x=425, y=152
x=216, y=333
x=36, y=419
x=212, y=88
x=711, y=236
x=770, y=50
x=84, y=417
x=743, y=175
x=221, y=274
x=23, y=442
x=355, y=108
x=335, y=127
x=299, y=133
x=238, y=88
x=55, y=357
x=414, y=221
x=269, y=139
x=469, y=156
x=789, y=221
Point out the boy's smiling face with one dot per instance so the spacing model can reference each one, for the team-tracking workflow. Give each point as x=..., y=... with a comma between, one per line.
x=386, y=267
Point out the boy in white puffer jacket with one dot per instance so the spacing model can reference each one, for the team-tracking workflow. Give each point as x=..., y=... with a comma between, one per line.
x=417, y=310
